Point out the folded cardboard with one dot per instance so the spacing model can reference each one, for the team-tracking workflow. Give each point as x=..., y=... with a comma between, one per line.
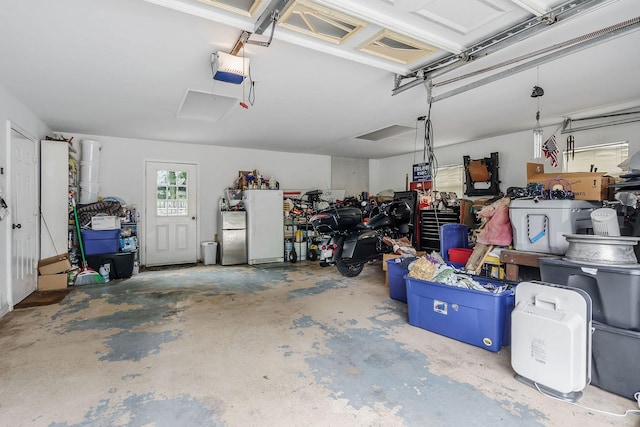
x=105, y=222
x=55, y=264
x=50, y=282
x=584, y=185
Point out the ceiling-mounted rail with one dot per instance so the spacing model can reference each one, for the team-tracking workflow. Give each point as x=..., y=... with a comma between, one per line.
x=496, y=42
x=567, y=48
x=614, y=120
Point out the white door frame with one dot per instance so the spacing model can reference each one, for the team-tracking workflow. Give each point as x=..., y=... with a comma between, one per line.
x=11, y=127
x=147, y=197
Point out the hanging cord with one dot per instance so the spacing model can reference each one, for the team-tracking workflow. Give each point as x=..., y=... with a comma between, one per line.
x=252, y=89
x=627, y=412
x=244, y=82
x=415, y=142
x=53, y=243
x=428, y=155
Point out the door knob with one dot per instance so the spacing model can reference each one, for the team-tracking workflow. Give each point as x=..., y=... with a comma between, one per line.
x=14, y=226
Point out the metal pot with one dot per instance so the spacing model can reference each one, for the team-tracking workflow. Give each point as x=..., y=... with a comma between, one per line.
x=603, y=250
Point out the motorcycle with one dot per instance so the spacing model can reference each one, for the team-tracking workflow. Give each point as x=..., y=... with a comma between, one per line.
x=349, y=243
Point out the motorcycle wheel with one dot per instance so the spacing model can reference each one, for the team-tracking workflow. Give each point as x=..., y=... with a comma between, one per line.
x=293, y=257
x=312, y=255
x=349, y=270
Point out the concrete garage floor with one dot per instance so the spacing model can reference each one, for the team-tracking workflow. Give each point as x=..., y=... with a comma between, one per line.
x=294, y=345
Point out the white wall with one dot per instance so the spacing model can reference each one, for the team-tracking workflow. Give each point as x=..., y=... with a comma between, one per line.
x=11, y=112
x=349, y=174
x=122, y=166
x=515, y=150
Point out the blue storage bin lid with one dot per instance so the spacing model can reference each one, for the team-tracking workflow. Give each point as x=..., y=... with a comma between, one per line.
x=100, y=234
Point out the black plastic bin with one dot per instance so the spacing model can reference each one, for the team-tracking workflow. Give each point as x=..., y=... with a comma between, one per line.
x=614, y=360
x=614, y=291
x=120, y=263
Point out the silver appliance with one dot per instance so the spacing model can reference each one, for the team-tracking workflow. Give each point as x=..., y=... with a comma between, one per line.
x=232, y=236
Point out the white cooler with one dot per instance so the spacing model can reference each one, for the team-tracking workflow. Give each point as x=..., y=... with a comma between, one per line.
x=540, y=226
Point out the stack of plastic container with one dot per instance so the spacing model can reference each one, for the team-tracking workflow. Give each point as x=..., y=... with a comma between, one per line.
x=615, y=295
x=89, y=171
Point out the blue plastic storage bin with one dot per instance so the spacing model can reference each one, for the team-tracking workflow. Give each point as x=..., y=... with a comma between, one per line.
x=397, y=284
x=97, y=242
x=475, y=317
x=452, y=236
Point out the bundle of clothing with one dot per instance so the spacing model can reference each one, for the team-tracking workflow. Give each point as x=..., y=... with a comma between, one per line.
x=106, y=207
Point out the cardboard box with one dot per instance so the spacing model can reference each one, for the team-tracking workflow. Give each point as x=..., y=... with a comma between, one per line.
x=242, y=178
x=584, y=185
x=55, y=264
x=105, y=222
x=50, y=282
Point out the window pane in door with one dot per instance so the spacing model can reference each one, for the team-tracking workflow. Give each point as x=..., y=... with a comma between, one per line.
x=162, y=178
x=162, y=193
x=182, y=193
x=171, y=198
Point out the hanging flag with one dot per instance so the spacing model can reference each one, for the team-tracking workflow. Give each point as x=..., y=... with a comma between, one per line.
x=550, y=150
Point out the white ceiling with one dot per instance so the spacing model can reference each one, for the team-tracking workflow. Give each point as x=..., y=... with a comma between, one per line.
x=122, y=68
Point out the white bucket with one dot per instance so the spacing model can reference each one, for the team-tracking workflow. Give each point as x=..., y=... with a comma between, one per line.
x=89, y=192
x=91, y=150
x=301, y=250
x=89, y=171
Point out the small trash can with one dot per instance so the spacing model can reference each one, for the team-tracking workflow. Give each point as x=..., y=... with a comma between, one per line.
x=209, y=250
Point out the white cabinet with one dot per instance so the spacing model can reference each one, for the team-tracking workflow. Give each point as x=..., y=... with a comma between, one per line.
x=56, y=181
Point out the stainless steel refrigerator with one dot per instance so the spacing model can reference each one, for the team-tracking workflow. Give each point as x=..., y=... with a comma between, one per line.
x=232, y=236
x=265, y=226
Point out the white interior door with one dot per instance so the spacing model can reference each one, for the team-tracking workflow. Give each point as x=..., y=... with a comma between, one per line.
x=170, y=216
x=24, y=214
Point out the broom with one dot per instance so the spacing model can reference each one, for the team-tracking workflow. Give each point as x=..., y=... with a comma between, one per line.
x=86, y=276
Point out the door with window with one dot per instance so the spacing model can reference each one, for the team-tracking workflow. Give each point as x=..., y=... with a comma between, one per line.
x=171, y=226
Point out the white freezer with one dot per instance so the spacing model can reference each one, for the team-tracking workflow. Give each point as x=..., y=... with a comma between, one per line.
x=265, y=226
